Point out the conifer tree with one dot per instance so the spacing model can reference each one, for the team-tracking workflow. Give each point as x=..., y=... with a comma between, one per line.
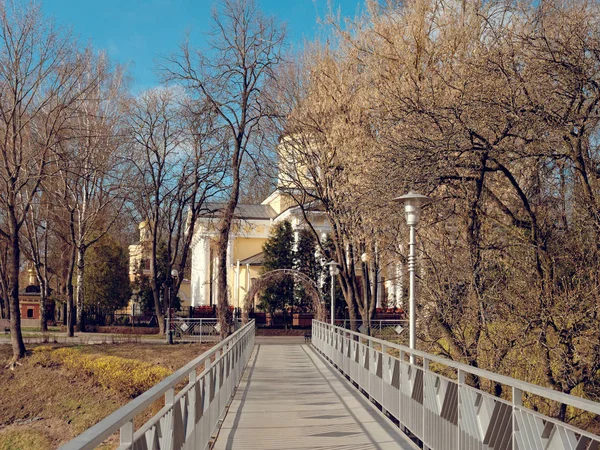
x=107, y=281
x=279, y=255
x=305, y=261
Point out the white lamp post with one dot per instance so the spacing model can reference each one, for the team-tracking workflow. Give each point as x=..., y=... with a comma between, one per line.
x=333, y=271
x=412, y=208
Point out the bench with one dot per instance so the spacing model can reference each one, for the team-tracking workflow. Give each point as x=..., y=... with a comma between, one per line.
x=307, y=336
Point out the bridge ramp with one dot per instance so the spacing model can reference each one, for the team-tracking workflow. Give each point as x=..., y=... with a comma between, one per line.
x=289, y=398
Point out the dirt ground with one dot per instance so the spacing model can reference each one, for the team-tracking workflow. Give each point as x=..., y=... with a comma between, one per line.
x=44, y=407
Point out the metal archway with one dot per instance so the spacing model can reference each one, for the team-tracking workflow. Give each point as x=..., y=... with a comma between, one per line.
x=277, y=275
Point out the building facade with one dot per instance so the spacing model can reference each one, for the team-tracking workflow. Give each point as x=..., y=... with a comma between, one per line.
x=249, y=233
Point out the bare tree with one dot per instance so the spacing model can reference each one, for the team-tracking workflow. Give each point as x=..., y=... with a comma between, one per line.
x=4, y=307
x=323, y=107
x=230, y=77
x=179, y=166
x=37, y=235
x=89, y=179
x=42, y=81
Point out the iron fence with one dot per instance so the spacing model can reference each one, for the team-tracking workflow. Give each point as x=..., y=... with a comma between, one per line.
x=186, y=329
x=447, y=413
x=394, y=330
x=191, y=416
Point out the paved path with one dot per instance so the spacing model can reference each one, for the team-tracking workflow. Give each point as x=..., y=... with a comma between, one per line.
x=290, y=398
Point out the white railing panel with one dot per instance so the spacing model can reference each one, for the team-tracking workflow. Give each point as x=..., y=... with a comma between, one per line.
x=376, y=375
x=189, y=418
x=447, y=413
x=391, y=385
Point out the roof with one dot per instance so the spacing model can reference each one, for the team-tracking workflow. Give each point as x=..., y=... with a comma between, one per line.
x=31, y=289
x=254, y=260
x=264, y=212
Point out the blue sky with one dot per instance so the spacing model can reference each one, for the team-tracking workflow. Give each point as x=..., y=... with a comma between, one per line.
x=136, y=32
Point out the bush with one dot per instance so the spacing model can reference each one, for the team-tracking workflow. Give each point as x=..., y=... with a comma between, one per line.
x=126, y=376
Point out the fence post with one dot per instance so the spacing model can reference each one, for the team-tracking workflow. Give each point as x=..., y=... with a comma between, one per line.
x=126, y=433
x=424, y=430
x=461, y=382
x=167, y=329
x=517, y=401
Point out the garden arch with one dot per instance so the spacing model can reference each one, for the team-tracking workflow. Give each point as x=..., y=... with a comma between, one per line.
x=276, y=275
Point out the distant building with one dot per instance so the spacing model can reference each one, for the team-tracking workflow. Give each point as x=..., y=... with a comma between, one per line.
x=251, y=229
x=139, y=260
x=244, y=251
x=29, y=303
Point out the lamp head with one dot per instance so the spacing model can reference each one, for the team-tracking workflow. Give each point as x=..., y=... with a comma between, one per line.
x=174, y=273
x=333, y=268
x=412, y=206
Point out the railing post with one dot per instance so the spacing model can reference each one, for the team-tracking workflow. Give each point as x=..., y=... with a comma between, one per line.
x=424, y=430
x=461, y=382
x=517, y=401
x=170, y=397
x=191, y=420
x=385, y=370
x=126, y=433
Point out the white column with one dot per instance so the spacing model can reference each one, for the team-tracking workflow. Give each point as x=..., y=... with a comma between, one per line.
x=200, y=272
x=230, y=252
x=236, y=293
x=321, y=258
x=205, y=288
x=215, y=285
x=295, y=224
x=379, y=288
x=390, y=284
x=248, y=280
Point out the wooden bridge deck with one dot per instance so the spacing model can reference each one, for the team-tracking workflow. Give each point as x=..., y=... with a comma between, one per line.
x=290, y=398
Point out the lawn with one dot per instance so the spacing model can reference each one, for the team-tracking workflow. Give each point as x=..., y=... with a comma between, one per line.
x=60, y=391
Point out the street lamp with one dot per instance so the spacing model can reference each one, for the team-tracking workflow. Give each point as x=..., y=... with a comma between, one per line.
x=174, y=274
x=333, y=271
x=412, y=207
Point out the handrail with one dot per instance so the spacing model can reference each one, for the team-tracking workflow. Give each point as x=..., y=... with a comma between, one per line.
x=230, y=355
x=550, y=394
x=414, y=394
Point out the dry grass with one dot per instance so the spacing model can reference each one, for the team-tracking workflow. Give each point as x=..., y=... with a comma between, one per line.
x=45, y=404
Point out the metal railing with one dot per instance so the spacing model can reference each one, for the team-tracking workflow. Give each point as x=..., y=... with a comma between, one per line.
x=445, y=413
x=389, y=329
x=186, y=329
x=191, y=416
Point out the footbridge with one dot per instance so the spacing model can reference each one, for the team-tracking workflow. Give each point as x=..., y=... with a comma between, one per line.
x=342, y=390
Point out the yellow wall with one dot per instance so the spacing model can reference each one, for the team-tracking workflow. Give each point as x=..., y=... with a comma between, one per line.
x=245, y=247
x=255, y=272
x=281, y=202
x=185, y=293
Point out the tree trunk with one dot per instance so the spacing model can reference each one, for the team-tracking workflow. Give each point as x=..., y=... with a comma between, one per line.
x=4, y=304
x=16, y=337
x=223, y=313
x=43, y=302
x=352, y=315
x=70, y=301
x=158, y=308
x=159, y=311
x=80, y=288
